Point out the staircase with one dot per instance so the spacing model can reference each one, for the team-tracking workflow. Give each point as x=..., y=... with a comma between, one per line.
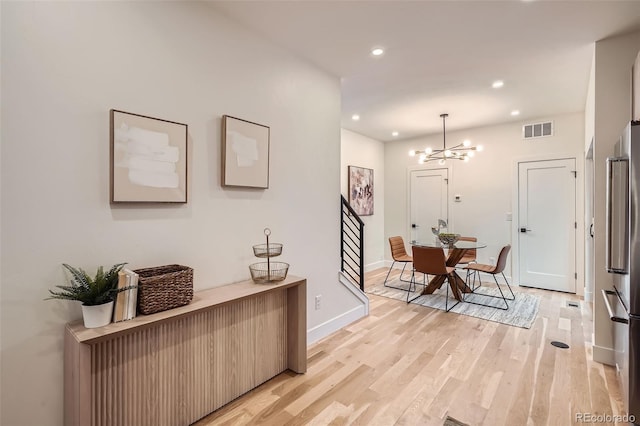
x=351, y=244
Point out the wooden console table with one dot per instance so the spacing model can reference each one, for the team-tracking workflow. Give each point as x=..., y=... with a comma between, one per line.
x=177, y=366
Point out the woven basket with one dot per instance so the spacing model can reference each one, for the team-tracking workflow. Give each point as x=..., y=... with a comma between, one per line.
x=164, y=287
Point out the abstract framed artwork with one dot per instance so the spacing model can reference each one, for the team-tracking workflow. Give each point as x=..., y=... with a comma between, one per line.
x=148, y=159
x=245, y=153
x=361, y=190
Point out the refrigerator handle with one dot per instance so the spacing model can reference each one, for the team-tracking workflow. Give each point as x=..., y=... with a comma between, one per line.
x=616, y=247
x=605, y=296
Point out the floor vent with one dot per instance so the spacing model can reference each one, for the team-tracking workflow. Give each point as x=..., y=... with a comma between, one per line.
x=560, y=345
x=573, y=304
x=537, y=130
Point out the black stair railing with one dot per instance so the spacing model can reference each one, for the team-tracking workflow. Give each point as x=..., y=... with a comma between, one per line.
x=352, y=244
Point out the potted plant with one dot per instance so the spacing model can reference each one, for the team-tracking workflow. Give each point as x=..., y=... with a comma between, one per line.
x=96, y=294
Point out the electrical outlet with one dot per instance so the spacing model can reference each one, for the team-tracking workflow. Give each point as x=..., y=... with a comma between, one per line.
x=318, y=298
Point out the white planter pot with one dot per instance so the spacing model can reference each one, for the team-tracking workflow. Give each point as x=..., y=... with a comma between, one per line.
x=98, y=315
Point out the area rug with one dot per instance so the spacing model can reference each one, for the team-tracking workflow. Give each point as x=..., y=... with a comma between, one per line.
x=450, y=421
x=522, y=311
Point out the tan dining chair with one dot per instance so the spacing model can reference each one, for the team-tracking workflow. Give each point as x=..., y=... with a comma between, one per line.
x=399, y=255
x=477, y=268
x=469, y=255
x=432, y=261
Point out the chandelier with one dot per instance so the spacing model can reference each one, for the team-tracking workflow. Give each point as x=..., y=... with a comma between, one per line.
x=463, y=151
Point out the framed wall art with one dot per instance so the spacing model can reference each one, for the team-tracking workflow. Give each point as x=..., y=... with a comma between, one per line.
x=245, y=153
x=361, y=190
x=148, y=159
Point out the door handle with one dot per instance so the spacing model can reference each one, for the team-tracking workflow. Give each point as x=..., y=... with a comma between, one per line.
x=413, y=225
x=523, y=230
x=605, y=296
x=591, y=230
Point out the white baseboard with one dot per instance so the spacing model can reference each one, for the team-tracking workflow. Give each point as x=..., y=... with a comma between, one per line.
x=346, y=282
x=588, y=295
x=604, y=355
x=323, y=330
x=375, y=265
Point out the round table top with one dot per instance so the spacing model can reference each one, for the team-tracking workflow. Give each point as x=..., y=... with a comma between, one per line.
x=458, y=244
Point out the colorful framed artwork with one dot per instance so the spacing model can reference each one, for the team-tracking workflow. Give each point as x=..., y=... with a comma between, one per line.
x=361, y=190
x=245, y=153
x=148, y=159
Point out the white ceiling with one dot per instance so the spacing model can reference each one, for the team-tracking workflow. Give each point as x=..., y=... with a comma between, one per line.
x=442, y=56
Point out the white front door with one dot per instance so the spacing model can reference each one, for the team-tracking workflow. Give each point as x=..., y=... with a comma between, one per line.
x=547, y=224
x=428, y=189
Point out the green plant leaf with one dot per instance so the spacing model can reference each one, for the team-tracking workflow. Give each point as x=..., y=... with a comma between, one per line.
x=89, y=291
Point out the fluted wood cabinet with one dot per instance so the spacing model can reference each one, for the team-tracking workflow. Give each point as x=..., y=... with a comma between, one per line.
x=175, y=367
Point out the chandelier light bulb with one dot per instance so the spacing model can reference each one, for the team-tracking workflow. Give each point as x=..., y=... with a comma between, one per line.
x=466, y=143
x=428, y=151
x=447, y=153
x=412, y=153
x=442, y=162
x=466, y=159
x=470, y=154
x=421, y=160
x=479, y=148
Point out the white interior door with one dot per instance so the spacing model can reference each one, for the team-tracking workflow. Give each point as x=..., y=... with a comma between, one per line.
x=547, y=224
x=428, y=189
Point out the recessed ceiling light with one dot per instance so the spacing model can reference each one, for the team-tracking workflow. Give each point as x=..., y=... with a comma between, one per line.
x=497, y=84
x=355, y=117
x=377, y=51
x=394, y=134
x=515, y=112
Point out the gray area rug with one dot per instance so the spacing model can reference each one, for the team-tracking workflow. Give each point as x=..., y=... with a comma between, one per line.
x=522, y=311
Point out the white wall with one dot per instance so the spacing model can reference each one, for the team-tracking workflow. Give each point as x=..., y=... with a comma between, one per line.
x=614, y=59
x=361, y=151
x=64, y=65
x=485, y=183
x=589, y=132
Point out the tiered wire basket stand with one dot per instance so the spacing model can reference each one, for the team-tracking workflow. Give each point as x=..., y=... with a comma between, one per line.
x=269, y=271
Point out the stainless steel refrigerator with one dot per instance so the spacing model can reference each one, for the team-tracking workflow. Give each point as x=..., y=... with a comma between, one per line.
x=623, y=262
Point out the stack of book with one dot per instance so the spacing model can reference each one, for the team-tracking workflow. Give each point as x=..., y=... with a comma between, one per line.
x=127, y=297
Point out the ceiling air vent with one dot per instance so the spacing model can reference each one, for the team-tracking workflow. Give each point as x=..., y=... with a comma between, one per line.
x=537, y=130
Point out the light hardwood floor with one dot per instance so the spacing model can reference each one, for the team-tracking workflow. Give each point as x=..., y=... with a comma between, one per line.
x=412, y=365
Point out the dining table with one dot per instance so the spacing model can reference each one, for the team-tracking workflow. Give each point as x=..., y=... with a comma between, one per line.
x=453, y=253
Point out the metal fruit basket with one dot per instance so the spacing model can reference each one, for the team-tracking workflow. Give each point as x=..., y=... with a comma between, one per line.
x=267, y=250
x=448, y=239
x=266, y=272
